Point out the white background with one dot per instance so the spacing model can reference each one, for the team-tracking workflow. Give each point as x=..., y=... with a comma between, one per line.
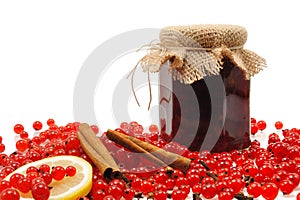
x=43, y=45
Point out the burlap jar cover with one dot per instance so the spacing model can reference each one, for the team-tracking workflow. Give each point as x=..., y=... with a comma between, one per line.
x=196, y=54
x=197, y=51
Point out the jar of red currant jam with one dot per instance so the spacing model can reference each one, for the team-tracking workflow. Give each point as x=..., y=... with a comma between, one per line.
x=204, y=74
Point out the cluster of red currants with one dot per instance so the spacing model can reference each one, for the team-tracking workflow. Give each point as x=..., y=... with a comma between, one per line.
x=255, y=171
x=36, y=180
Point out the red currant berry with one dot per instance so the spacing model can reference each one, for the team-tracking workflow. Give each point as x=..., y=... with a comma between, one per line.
x=15, y=178
x=270, y=190
x=197, y=188
x=286, y=186
x=37, y=125
x=47, y=177
x=179, y=195
x=24, y=135
x=40, y=191
x=115, y=191
x=254, y=129
x=24, y=184
x=22, y=145
x=100, y=185
x=31, y=169
x=50, y=122
x=9, y=194
x=44, y=168
x=161, y=195
x=254, y=189
x=4, y=184
x=225, y=195
x=58, y=173
x=109, y=197
x=209, y=191
x=95, y=128
x=278, y=125
x=153, y=128
x=128, y=194
x=72, y=143
x=18, y=128
x=70, y=171
x=2, y=148
x=97, y=194
x=118, y=183
x=261, y=125
x=298, y=196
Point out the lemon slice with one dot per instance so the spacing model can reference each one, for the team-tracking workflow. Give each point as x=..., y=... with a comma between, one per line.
x=69, y=188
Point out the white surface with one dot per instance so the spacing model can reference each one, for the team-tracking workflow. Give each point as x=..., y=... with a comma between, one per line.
x=44, y=44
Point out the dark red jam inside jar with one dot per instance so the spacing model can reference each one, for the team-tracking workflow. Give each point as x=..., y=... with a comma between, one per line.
x=209, y=114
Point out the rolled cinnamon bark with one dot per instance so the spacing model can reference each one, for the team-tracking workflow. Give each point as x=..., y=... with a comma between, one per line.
x=98, y=153
x=171, y=159
x=124, y=141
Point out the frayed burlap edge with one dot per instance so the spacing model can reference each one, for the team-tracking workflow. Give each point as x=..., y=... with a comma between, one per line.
x=189, y=65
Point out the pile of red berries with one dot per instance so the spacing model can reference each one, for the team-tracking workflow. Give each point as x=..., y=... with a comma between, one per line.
x=255, y=171
x=36, y=180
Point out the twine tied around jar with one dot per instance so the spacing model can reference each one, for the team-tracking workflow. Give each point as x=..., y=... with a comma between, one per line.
x=194, y=52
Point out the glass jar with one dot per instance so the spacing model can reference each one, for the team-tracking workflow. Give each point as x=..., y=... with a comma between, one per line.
x=204, y=74
x=210, y=114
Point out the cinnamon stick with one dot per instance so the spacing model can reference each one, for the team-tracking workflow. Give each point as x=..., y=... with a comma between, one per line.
x=173, y=160
x=124, y=141
x=98, y=153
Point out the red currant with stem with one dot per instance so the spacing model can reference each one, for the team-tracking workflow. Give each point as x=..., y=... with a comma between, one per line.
x=9, y=194
x=40, y=191
x=18, y=128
